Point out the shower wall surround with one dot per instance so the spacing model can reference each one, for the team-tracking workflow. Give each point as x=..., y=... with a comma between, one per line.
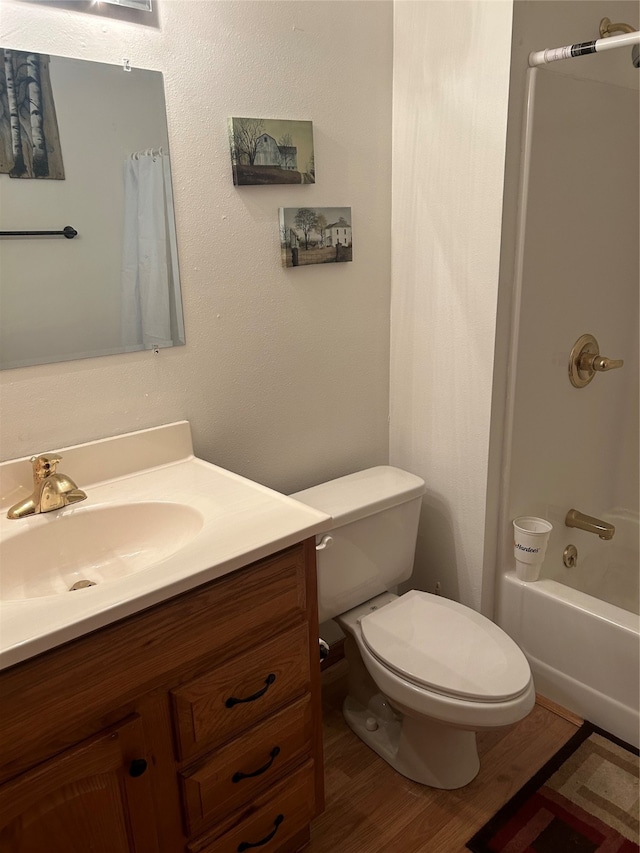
x=580, y=271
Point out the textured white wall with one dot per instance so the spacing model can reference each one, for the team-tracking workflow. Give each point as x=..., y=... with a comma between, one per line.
x=285, y=373
x=451, y=76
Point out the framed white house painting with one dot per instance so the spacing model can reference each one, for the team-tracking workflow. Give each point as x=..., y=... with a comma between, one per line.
x=315, y=235
x=271, y=151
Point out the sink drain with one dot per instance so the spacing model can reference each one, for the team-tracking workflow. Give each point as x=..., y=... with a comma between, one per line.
x=81, y=585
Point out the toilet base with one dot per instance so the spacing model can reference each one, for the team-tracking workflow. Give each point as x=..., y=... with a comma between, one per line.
x=420, y=749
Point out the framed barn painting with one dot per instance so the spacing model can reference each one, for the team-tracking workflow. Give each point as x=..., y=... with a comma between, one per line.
x=271, y=151
x=315, y=235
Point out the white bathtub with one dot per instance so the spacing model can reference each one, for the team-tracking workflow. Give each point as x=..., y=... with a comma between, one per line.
x=584, y=653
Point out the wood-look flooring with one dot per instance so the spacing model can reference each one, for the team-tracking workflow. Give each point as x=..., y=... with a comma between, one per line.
x=372, y=809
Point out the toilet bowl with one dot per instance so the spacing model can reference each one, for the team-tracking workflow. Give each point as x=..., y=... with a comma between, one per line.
x=425, y=672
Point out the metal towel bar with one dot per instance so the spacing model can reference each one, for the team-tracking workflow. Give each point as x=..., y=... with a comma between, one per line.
x=67, y=232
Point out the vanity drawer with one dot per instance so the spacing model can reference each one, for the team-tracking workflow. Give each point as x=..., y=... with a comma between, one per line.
x=247, y=766
x=231, y=698
x=276, y=819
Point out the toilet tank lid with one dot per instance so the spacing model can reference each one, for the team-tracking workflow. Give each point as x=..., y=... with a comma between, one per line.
x=358, y=495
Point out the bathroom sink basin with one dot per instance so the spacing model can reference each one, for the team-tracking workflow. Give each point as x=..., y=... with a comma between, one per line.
x=156, y=522
x=70, y=553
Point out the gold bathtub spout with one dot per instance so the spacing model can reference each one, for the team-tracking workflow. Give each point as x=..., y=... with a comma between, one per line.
x=592, y=525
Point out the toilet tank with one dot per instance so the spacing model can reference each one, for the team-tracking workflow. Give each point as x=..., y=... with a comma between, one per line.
x=372, y=544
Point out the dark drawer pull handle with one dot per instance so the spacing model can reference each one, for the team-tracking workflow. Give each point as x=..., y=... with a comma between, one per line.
x=239, y=776
x=231, y=701
x=137, y=767
x=247, y=845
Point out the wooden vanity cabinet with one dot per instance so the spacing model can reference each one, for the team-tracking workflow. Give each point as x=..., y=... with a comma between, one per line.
x=83, y=799
x=192, y=726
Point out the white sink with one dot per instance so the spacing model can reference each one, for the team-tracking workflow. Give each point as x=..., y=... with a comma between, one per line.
x=84, y=546
x=156, y=522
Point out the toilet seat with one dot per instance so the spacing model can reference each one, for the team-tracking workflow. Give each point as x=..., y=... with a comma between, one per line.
x=446, y=648
x=413, y=698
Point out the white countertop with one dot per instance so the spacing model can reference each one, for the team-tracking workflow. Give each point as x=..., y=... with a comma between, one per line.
x=241, y=522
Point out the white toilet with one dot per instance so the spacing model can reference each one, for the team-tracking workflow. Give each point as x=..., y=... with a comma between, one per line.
x=425, y=672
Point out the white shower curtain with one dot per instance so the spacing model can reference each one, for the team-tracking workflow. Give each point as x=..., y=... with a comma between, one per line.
x=147, y=251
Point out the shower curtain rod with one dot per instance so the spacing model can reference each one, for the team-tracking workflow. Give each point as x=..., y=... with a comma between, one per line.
x=552, y=54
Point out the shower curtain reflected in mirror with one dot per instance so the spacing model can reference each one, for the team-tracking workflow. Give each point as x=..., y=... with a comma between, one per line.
x=149, y=315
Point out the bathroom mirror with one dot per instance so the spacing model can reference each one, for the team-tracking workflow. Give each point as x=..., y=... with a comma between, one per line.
x=95, y=159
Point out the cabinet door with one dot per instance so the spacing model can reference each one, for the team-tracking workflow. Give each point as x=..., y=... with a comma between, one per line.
x=94, y=797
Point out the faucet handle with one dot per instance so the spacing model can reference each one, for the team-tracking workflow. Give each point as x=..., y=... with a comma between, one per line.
x=601, y=362
x=44, y=465
x=585, y=361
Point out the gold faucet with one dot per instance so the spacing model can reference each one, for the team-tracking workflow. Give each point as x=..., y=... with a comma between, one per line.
x=592, y=525
x=50, y=489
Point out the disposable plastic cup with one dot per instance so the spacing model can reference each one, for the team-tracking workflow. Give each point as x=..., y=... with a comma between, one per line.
x=528, y=571
x=530, y=538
